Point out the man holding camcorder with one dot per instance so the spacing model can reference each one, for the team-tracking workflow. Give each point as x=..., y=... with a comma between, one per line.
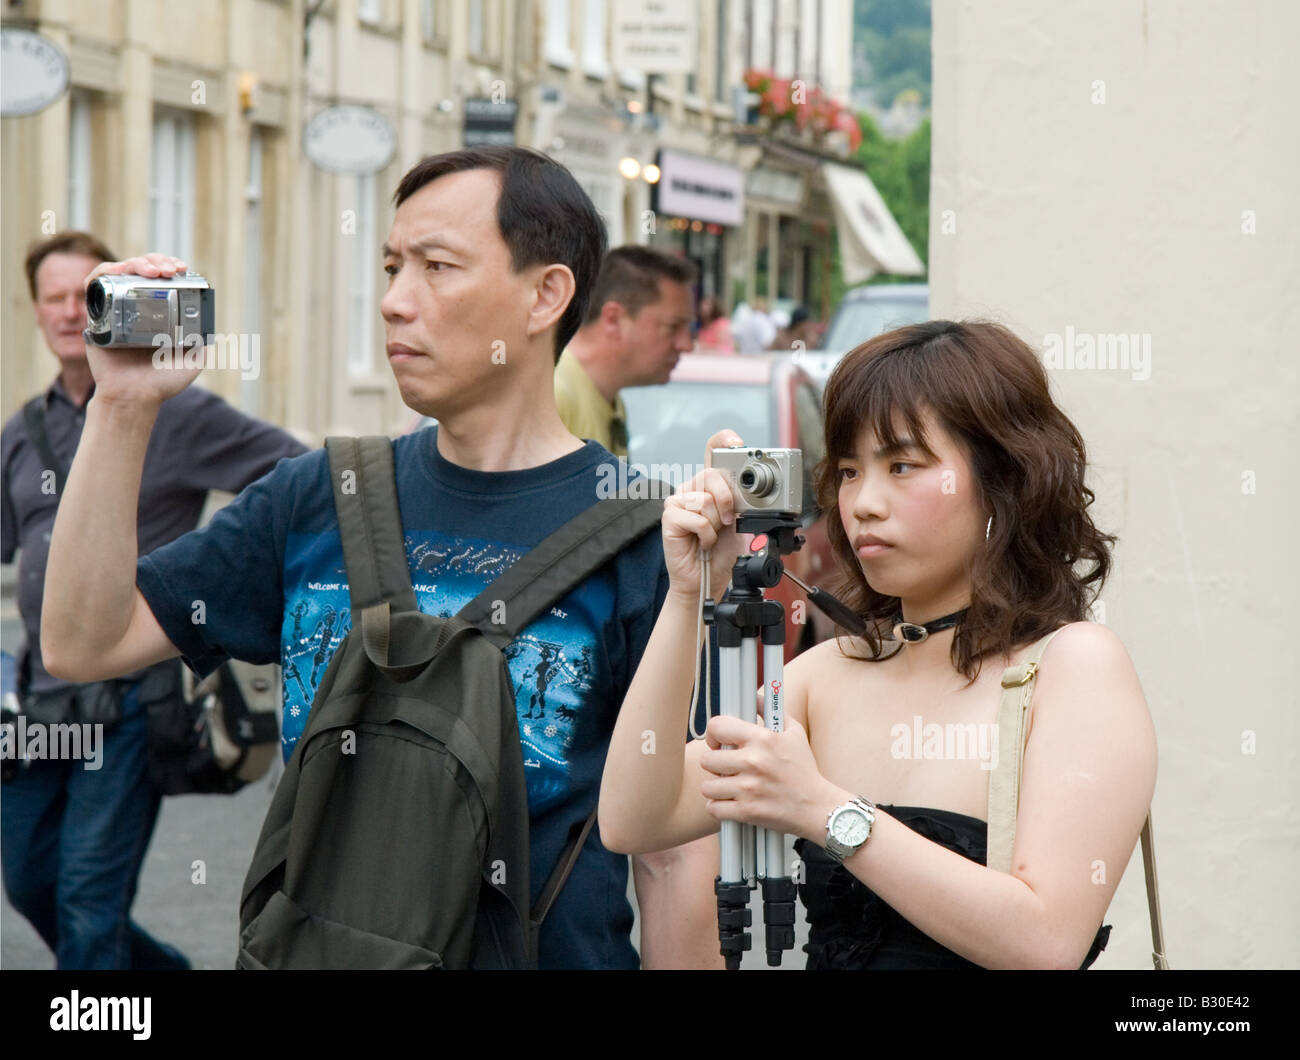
x=490, y=259
x=75, y=831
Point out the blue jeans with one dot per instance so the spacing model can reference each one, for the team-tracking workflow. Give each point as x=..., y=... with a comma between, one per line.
x=74, y=840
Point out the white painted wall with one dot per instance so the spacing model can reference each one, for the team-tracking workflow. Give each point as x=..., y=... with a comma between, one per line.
x=1135, y=215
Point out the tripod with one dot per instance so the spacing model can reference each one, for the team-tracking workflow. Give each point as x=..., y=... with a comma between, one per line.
x=743, y=617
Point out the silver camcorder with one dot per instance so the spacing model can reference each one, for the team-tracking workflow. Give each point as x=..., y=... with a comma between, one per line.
x=132, y=311
x=763, y=480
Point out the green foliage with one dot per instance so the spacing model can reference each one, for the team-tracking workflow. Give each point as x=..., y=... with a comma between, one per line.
x=900, y=170
x=894, y=38
x=887, y=16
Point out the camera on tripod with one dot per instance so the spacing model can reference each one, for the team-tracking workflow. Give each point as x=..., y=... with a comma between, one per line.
x=767, y=486
x=763, y=481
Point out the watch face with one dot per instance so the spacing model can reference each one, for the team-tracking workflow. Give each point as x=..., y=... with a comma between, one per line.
x=851, y=827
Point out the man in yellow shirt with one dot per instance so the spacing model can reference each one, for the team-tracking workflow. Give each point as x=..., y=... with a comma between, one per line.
x=638, y=324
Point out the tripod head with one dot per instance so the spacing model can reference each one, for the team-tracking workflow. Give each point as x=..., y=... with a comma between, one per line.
x=755, y=571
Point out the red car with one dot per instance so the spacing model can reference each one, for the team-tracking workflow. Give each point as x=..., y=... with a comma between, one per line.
x=771, y=403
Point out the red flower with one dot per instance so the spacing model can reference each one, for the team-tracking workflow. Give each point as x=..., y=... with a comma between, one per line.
x=845, y=121
x=779, y=94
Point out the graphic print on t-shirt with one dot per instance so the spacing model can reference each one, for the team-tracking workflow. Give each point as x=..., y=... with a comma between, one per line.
x=552, y=664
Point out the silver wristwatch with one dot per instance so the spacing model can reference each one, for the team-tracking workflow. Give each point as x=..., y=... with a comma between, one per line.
x=848, y=827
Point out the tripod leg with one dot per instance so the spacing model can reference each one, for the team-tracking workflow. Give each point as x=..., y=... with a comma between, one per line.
x=731, y=886
x=749, y=713
x=778, y=888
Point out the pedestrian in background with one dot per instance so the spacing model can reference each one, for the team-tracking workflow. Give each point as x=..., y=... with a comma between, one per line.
x=715, y=328
x=799, y=334
x=754, y=328
x=636, y=327
x=74, y=838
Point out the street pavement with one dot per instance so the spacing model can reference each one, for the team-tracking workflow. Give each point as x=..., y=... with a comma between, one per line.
x=199, y=918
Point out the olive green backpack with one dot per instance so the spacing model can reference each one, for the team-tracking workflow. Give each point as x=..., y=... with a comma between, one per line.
x=398, y=835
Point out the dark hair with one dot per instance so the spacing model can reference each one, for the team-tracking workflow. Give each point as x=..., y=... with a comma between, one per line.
x=708, y=310
x=69, y=242
x=987, y=389
x=630, y=276
x=544, y=216
x=799, y=315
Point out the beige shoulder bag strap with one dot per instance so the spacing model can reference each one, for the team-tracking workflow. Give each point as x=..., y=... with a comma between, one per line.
x=1004, y=788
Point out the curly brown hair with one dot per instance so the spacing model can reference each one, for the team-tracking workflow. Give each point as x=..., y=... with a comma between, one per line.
x=1046, y=560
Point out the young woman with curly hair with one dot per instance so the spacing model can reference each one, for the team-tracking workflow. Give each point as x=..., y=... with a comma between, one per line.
x=959, y=488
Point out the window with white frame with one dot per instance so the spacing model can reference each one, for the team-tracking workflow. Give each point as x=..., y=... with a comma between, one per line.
x=749, y=33
x=759, y=15
x=817, y=62
x=722, y=26
x=692, y=85
x=558, y=50
x=477, y=27
x=79, y=164
x=370, y=11
x=249, y=389
x=777, y=69
x=171, y=184
x=361, y=301
x=593, y=39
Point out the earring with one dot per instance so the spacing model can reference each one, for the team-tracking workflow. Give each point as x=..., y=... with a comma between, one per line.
x=988, y=528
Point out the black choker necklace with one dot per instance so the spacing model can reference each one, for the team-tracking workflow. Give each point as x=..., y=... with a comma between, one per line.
x=914, y=633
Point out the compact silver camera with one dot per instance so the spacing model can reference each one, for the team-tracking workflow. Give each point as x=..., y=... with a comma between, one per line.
x=129, y=310
x=763, y=480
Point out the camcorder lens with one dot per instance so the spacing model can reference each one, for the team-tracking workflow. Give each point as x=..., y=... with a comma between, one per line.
x=96, y=300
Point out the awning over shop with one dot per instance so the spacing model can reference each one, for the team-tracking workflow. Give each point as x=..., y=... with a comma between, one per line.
x=870, y=239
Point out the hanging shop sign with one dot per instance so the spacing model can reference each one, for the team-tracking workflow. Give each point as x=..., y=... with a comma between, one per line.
x=350, y=139
x=33, y=72
x=702, y=189
x=490, y=122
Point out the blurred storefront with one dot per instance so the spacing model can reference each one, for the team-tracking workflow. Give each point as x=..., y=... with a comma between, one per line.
x=590, y=141
x=699, y=205
x=798, y=199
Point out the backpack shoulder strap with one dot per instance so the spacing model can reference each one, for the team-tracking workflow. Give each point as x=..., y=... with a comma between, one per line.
x=557, y=564
x=370, y=523
x=34, y=418
x=539, y=578
x=560, y=874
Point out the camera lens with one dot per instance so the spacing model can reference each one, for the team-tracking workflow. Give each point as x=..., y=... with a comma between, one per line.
x=98, y=298
x=757, y=479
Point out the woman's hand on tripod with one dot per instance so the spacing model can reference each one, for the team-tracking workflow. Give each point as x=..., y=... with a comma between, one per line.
x=767, y=778
x=702, y=515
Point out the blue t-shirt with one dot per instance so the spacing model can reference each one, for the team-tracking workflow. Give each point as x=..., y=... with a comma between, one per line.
x=264, y=581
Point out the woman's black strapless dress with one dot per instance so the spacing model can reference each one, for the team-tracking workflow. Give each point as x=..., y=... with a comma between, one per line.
x=850, y=928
